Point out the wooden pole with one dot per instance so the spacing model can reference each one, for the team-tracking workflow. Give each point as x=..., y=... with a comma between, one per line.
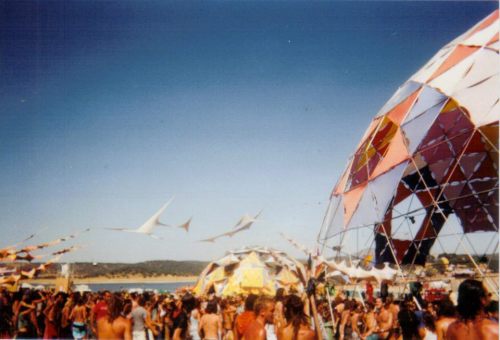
x=312, y=300
x=317, y=325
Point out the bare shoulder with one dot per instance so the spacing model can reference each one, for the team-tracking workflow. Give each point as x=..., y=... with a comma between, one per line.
x=121, y=324
x=262, y=334
x=454, y=328
x=309, y=335
x=488, y=329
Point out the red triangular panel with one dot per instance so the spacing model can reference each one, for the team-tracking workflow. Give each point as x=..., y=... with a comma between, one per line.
x=486, y=169
x=476, y=144
x=440, y=169
x=452, y=192
x=470, y=163
x=402, y=193
x=400, y=248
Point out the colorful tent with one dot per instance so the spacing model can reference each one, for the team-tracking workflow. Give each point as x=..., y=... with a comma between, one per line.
x=430, y=154
x=256, y=270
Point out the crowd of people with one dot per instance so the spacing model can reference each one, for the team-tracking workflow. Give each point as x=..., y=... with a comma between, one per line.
x=106, y=315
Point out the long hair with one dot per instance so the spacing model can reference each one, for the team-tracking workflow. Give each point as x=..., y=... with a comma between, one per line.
x=408, y=322
x=280, y=295
x=294, y=313
x=188, y=302
x=470, y=293
x=78, y=299
x=429, y=322
x=446, y=308
x=115, y=307
x=250, y=302
x=211, y=307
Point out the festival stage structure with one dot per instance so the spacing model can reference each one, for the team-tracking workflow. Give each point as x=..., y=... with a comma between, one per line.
x=428, y=161
x=256, y=270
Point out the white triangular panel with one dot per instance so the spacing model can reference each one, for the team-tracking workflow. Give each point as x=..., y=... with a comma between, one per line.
x=479, y=99
x=365, y=213
x=335, y=217
x=377, y=197
x=482, y=37
x=428, y=98
x=491, y=116
x=416, y=129
x=486, y=64
x=428, y=70
x=447, y=81
x=401, y=94
x=384, y=187
x=408, y=217
x=495, y=46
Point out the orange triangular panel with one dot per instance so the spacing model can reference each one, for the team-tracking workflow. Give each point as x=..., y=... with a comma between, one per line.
x=490, y=132
x=351, y=200
x=398, y=113
x=340, y=187
x=486, y=22
x=396, y=154
x=460, y=53
x=492, y=40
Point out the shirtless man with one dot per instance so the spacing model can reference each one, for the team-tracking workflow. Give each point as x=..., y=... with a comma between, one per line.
x=114, y=325
x=244, y=319
x=370, y=323
x=345, y=329
x=473, y=322
x=210, y=326
x=264, y=314
x=356, y=321
x=394, y=309
x=228, y=316
x=446, y=316
x=384, y=319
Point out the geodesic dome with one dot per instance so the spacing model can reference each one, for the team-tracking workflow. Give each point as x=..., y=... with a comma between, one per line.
x=255, y=270
x=429, y=154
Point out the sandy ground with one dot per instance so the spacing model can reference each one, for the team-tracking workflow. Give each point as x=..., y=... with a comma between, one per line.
x=128, y=279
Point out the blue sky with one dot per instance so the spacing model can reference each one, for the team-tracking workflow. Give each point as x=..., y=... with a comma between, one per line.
x=112, y=107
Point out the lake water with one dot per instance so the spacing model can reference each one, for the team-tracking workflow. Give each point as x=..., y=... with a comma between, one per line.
x=115, y=287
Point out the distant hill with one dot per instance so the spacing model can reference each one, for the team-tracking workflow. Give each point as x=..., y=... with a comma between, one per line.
x=194, y=268
x=147, y=269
